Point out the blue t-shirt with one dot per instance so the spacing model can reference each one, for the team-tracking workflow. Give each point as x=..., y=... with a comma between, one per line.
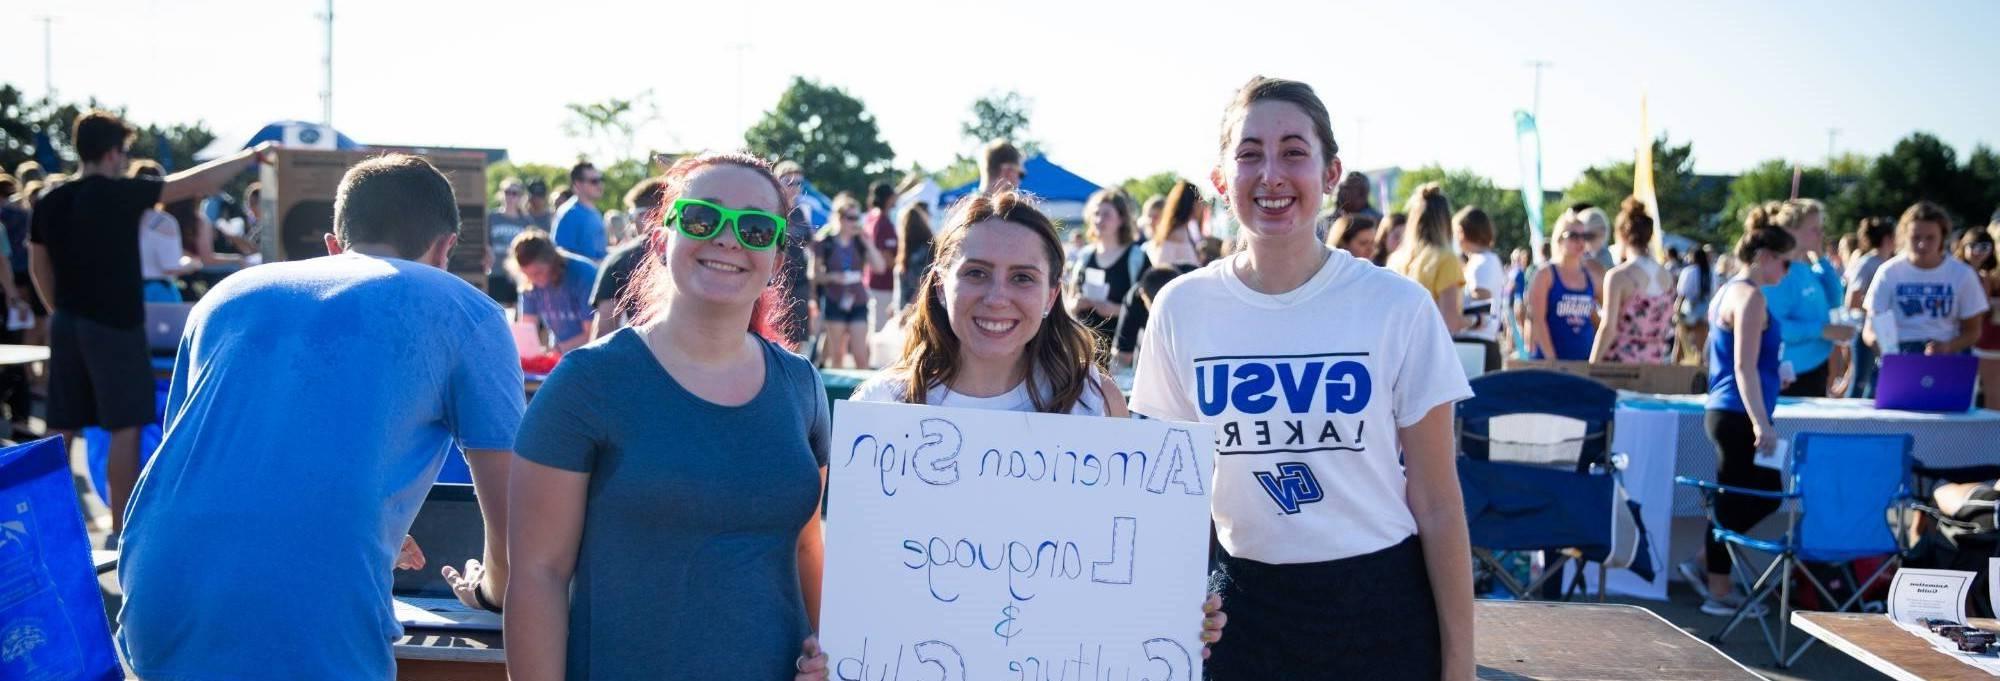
x=1800, y=302
x=1567, y=313
x=16, y=222
x=311, y=405
x=688, y=563
x=580, y=230
x=564, y=308
x=1724, y=391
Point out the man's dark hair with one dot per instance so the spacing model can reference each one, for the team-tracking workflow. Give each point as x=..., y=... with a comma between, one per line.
x=881, y=195
x=538, y=187
x=396, y=199
x=998, y=153
x=576, y=172
x=98, y=132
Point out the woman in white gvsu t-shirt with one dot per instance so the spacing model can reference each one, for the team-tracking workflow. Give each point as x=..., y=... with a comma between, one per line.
x=1330, y=383
x=1923, y=302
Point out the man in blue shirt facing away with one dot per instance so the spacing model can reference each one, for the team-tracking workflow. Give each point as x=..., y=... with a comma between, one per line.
x=311, y=406
x=579, y=225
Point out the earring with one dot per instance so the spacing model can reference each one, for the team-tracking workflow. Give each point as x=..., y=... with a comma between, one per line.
x=1045, y=312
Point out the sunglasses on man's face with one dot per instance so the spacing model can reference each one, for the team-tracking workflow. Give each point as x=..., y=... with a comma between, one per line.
x=1575, y=236
x=756, y=230
x=594, y=180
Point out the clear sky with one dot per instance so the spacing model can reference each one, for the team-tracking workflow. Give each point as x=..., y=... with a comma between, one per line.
x=1117, y=91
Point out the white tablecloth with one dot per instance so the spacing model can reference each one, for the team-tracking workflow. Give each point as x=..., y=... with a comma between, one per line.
x=1663, y=436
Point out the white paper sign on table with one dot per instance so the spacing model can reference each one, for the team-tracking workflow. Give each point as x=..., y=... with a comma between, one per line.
x=964, y=544
x=1928, y=594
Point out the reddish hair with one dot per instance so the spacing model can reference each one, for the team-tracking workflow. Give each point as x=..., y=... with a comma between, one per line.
x=651, y=286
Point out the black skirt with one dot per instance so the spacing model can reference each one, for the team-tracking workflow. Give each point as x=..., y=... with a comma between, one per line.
x=1371, y=616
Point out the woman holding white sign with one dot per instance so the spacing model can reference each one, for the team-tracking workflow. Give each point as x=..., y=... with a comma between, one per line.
x=667, y=487
x=987, y=320
x=1343, y=544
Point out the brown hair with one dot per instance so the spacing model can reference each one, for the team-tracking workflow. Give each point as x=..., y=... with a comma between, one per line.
x=1476, y=224
x=1963, y=249
x=1348, y=226
x=1876, y=232
x=1182, y=202
x=1795, y=211
x=1430, y=217
x=650, y=287
x=996, y=154
x=1921, y=211
x=98, y=132
x=534, y=245
x=914, y=227
x=1062, y=351
x=1763, y=237
x=1635, y=225
x=1127, y=232
x=394, y=199
x=1299, y=94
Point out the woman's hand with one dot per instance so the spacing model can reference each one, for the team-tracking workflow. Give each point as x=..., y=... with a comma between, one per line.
x=411, y=557
x=1212, y=621
x=468, y=586
x=1765, y=439
x=812, y=664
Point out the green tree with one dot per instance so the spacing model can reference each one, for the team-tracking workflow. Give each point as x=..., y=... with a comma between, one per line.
x=1143, y=188
x=1689, y=205
x=182, y=141
x=1466, y=188
x=611, y=126
x=1001, y=116
x=827, y=132
x=1920, y=167
x=1772, y=181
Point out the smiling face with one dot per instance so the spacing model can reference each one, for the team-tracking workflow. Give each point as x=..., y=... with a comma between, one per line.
x=1273, y=172
x=998, y=289
x=720, y=270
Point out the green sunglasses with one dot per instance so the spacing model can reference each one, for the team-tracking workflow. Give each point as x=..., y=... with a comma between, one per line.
x=756, y=230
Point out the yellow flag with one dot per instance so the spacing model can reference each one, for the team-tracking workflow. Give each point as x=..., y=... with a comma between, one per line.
x=1642, y=183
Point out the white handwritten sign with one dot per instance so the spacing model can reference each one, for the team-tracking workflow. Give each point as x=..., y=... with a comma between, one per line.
x=967, y=545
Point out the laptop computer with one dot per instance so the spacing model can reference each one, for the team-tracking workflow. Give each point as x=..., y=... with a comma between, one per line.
x=1940, y=383
x=164, y=324
x=450, y=531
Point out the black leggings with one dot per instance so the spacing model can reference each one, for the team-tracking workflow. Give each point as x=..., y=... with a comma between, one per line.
x=1736, y=453
x=1809, y=384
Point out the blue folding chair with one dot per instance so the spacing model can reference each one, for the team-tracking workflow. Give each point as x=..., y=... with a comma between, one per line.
x=1562, y=499
x=1848, y=493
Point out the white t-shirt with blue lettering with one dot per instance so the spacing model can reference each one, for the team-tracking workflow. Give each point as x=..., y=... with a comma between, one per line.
x=1924, y=304
x=1306, y=390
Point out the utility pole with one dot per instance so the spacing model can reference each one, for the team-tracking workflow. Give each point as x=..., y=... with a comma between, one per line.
x=1536, y=109
x=48, y=56
x=326, y=92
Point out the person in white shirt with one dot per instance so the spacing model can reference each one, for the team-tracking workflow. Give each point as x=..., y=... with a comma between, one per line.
x=1485, y=281
x=1921, y=301
x=160, y=257
x=1343, y=544
x=987, y=332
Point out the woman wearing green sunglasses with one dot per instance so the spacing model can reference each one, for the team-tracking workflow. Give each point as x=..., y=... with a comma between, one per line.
x=668, y=477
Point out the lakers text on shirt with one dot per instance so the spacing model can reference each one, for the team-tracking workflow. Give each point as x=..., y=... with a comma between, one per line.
x=1285, y=404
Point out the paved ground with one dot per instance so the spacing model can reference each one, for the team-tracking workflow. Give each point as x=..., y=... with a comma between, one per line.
x=1746, y=644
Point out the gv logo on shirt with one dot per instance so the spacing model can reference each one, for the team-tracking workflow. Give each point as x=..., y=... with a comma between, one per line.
x=1925, y=300
x=1292, y=486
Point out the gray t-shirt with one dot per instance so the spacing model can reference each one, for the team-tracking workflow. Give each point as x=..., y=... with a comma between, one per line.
x=688, y=562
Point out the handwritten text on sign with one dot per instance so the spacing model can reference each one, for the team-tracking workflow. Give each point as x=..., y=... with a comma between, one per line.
x=971, y=545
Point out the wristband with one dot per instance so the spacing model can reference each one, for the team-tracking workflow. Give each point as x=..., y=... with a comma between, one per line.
x=479, y=594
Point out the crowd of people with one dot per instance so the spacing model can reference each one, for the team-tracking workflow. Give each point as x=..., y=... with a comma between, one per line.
x=678, y=451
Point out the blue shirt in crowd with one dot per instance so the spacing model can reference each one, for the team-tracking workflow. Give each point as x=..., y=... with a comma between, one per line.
x=565, y=307
x=311, y=405
x=580, y=230
x=1800, y=302
x=688, y=563
x=1725, y=392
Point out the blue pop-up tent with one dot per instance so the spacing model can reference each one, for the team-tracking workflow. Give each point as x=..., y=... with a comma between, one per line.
x=1060, y=192
x=295, y=134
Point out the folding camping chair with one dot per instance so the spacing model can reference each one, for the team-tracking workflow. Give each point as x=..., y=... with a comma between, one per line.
x=1551, y=492
x=1845, y=489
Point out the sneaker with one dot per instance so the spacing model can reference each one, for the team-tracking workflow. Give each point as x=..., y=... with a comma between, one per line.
x=1727, y=605
x=1695, y=575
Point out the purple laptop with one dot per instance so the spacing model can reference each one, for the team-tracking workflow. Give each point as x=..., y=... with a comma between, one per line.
x=1942, y=383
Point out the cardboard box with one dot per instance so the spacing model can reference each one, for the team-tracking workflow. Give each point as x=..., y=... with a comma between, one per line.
x=1658, y=379
x=299, y=188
